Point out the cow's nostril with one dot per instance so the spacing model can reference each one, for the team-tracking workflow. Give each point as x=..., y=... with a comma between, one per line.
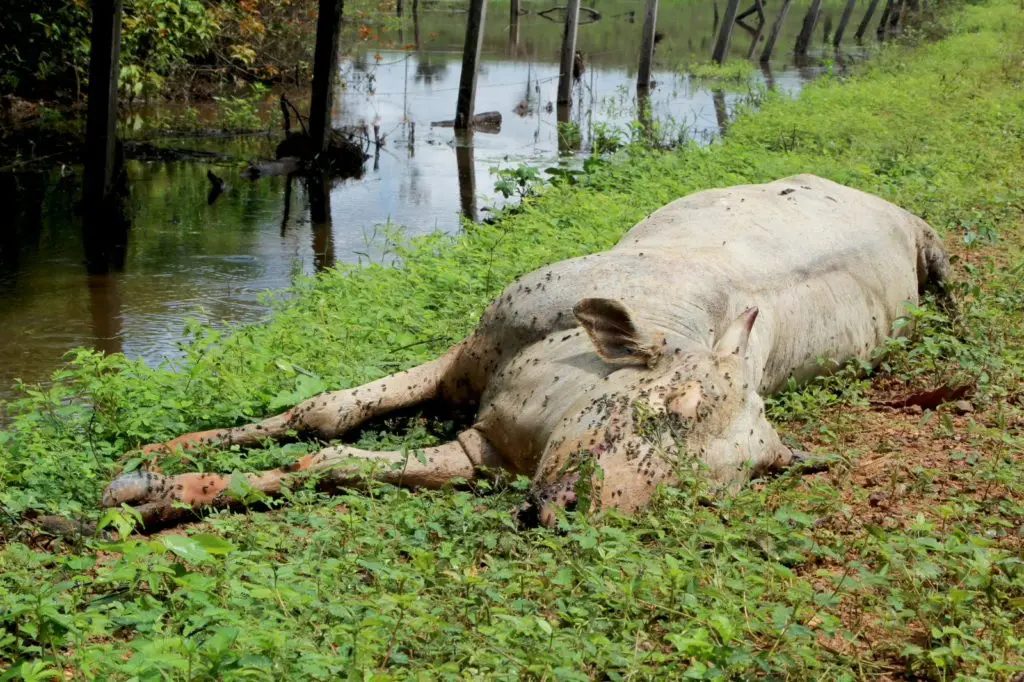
x=527, y=515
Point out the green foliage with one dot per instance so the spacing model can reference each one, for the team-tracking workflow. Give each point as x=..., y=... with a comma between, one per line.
x=606, y=139
x=44, y=41
x=44, y=44
x=243, y=112
x=47, y=44
x=519, y=181
x=734, y=74
x=785, y=580
x=161, y=37
x=569, y=135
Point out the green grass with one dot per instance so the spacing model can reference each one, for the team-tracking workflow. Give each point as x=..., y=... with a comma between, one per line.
x=912, y=569
x=735, y=74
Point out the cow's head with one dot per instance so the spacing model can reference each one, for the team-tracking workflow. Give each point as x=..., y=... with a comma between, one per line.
x=660, y=409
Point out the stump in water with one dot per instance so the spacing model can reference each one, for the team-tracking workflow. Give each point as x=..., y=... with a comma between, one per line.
x=297, y=152
x=342, y=158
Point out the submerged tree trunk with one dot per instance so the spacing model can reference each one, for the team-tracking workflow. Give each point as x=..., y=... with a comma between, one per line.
x=721, y=51
x=862, y=29
x=568, y=58
x=470, y=58
x=101, y=120
x=803, y=41
x=325, y=68
x=643, y=78
x=773, y=37
x=843, y=21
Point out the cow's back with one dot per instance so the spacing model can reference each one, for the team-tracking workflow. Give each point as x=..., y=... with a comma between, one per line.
x=788, y=228
x=829, y=266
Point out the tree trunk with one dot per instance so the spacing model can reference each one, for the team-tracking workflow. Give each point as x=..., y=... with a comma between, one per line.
x=643, y=79
x=807, y=32
x=470, y=57
x=572, y=22
x=721, y=51
x=325, y=69
x=773, y=37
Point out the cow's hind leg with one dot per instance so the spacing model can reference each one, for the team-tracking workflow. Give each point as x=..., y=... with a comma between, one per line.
x=329, y=415
x=933, y=269
x=166, y=499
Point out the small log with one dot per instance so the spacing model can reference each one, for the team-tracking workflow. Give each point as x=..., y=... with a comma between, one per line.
x=757, y=8
x=592, y=14
x=146, y=151
x=288, y=165
x=487, y=122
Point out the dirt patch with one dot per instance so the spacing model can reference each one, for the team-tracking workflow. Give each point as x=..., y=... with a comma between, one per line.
x=904, y=465
x=906, y=462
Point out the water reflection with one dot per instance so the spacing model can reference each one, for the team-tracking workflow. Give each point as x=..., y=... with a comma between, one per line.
x=189, y=258
x=105, y=311
x=467, y=173
x=721, y=110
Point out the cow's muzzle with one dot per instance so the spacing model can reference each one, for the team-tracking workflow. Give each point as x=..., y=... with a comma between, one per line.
x=542, y=504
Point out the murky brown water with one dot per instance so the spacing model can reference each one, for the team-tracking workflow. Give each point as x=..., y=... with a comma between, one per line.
x=189, y=260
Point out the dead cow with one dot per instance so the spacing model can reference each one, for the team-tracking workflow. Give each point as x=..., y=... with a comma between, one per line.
x=627, y=362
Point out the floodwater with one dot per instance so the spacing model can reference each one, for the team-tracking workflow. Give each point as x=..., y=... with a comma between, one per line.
x=187, y=260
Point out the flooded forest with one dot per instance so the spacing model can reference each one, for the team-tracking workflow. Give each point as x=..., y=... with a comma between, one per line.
x=196, y=252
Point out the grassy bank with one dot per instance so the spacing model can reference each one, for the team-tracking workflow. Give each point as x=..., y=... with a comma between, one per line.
x=904, y=560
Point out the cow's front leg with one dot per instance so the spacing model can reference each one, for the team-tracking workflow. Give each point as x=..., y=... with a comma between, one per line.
x=167, y=499
x=330, y=415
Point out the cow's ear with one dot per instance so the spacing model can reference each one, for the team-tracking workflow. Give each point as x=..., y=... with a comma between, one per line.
x=733, y=340
x=613, y=333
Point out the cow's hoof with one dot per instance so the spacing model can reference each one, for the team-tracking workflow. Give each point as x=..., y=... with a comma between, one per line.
x=137, y=487
x=806, y=463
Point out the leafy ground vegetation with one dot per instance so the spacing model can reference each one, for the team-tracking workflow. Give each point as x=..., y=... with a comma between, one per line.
x=903, y=561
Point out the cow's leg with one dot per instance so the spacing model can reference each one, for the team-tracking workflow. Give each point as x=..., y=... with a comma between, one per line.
x=164, y=499
x=331, y=414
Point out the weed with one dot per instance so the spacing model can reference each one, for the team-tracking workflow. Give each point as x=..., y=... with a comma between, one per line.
x=734, y=74
x=520, y=181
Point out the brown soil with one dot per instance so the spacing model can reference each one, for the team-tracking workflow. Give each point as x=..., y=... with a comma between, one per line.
x=904, y=464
